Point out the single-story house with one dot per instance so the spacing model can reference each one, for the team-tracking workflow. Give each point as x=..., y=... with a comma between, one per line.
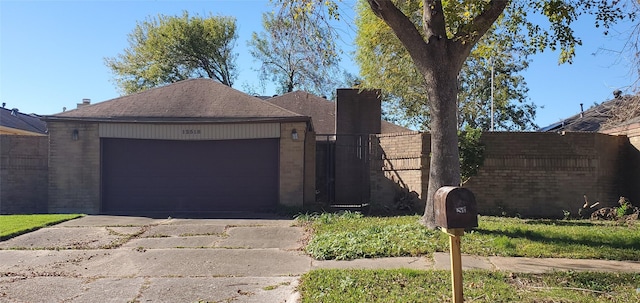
x=192, y=146
x=13, y=122
x=600, y=116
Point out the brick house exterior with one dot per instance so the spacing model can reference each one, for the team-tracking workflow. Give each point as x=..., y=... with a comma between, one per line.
x=98, y=153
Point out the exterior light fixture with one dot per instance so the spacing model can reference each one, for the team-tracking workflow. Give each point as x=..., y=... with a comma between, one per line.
x=294, y=134
x=75, y=135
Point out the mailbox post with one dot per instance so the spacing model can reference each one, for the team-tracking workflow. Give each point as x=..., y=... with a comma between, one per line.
x=455, y=209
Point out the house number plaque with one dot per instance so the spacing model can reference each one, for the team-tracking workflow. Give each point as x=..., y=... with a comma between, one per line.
x=191, y=132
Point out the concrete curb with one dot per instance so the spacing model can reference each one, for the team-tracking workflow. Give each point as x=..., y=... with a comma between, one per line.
x=536, y=265
x=440, y=261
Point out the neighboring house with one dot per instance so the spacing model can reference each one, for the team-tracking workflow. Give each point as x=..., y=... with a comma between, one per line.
x=13, y=122
x=596, y=118
x=23, y=162
x=630, y=128
x=192, y=146
x=625, y=119
x=322, y=112
x=618, y=117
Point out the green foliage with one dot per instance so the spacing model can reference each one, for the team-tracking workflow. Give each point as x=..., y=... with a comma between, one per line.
x=548, y=23
x=439, y=36
x=167, y=49
x=625, y=207
x=296, y=53
x=521, y=31
x=471, y=152
x=340, y=237
x=14, y=225
x=405, y=285
x=386, y=64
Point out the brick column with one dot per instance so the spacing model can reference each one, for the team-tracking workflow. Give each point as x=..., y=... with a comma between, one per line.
x=292, y=161
x=74, y=167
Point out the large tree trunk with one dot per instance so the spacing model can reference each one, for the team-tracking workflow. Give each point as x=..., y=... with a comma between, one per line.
x=439, y=59
x=444, y=166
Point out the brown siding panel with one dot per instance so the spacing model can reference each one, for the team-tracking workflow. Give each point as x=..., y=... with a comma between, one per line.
x=190, y=131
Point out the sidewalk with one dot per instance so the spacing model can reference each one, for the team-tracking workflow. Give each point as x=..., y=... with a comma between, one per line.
x=440, y=261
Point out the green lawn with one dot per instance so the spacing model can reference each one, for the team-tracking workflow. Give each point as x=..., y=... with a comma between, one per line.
x=405, y=285
x=14, y=225
x=351, y=236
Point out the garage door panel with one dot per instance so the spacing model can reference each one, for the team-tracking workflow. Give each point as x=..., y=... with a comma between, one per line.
x=164, y=175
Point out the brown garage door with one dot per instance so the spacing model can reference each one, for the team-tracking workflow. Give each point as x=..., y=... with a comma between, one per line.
x=189, y=176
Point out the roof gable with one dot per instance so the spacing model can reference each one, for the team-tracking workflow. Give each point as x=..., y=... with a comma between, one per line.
x=200, y=99
x=321, y=111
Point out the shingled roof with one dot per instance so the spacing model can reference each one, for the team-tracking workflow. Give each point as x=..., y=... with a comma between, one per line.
x=321, y=111
x=12, y=121
x=188, y=100
x=597, y=117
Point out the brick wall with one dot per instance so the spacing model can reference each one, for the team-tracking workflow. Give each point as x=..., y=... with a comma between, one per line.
x=74, y=168
x=292, y=164
x=632, y=160
x=399, y=170
x=530, y=174
x=543, y=174
x=23, y=174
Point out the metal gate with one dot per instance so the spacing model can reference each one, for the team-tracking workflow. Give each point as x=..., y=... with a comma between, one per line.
x=342, y=170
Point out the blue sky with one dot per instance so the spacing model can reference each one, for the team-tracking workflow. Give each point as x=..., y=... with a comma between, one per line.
x=52, y=54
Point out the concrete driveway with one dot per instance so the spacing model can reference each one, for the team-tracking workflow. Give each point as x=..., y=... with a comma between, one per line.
x=139, y=259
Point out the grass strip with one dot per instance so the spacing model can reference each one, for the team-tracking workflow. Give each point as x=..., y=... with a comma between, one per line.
x=404, y=285
x=15, y=225
x=352, y=236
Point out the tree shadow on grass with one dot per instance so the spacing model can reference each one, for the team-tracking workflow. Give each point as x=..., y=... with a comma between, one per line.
x=537, y=236
x=559, y=223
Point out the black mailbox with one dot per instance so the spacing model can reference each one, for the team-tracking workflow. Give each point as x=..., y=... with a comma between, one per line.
x=455, y=207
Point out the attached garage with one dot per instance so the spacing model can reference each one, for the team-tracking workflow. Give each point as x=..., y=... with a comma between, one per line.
x=192, y=146
x=187, y=176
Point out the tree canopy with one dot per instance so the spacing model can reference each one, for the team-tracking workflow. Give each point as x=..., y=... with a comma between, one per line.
x=439, y=36
x=296, y=53
x=166, y=49
x=385, y=64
